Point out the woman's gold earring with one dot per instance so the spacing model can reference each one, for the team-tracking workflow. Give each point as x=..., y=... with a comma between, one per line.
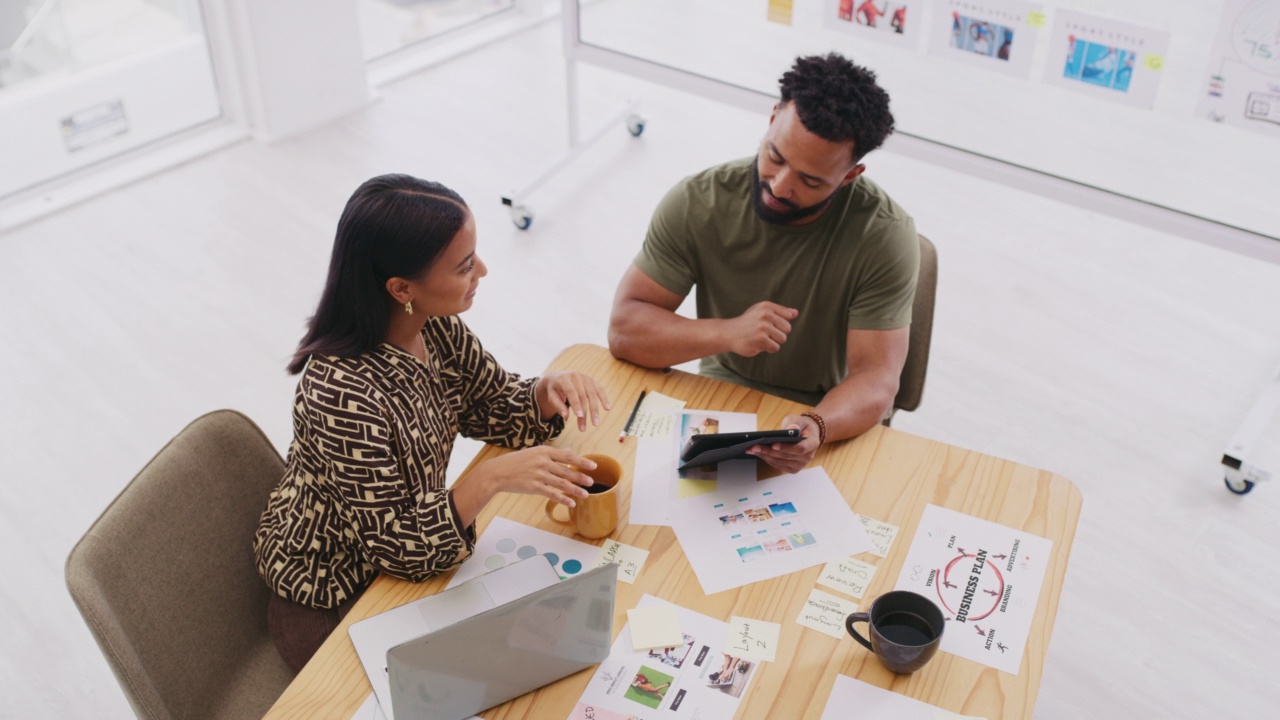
x=408, y=306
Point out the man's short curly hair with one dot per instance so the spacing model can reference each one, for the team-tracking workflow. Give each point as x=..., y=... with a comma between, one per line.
x=839, y=101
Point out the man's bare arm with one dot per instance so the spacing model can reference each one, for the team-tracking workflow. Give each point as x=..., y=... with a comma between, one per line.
x=645, y=329
x=855, y=405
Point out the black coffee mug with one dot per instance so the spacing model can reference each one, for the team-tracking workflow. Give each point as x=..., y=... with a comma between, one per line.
x=906, y=630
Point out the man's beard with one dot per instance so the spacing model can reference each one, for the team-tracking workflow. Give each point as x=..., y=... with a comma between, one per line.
x=793, y=214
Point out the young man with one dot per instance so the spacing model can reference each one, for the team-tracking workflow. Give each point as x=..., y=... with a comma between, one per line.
x=805, y=271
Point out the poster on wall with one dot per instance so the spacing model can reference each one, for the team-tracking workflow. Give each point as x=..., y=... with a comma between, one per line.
x=1106, y=58
x=896, y=22
x=999, y=35
x=1244, y=70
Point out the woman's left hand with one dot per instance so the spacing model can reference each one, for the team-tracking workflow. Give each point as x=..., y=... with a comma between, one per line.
x=566, y=392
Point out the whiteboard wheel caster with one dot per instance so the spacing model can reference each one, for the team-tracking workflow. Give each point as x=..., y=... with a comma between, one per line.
x=635, y=125
x=1239, y=490
x=521, y=216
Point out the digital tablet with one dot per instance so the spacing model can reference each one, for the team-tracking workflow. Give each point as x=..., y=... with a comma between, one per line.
x=712, y=448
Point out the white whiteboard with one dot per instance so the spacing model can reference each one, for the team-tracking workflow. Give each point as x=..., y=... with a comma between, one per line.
x=1168, y=156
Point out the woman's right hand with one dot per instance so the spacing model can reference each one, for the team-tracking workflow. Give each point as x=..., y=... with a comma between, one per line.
x=542, y=470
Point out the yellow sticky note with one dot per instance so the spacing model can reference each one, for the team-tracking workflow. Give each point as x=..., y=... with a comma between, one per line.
x=826, y=613
x=629, y=559
x=654, y=627
x=780, y=11
x=1154, y=62
x=1035, y=19
x=755, y=639
x=849, y=576
x=881, y=534
x=686, y=488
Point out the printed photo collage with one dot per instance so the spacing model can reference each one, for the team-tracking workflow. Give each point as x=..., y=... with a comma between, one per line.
x=764, y=525
x=696, y=680
x=1094, y=55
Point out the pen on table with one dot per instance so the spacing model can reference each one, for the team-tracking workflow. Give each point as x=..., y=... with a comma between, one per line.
x=622, y=436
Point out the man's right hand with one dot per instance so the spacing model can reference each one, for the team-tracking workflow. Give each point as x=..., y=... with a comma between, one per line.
x=762, y=328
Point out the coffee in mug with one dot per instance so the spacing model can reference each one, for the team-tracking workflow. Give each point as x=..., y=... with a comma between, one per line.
x=595, y=515
x=905, y=628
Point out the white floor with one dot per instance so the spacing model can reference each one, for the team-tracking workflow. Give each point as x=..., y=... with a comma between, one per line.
x=1117, y=356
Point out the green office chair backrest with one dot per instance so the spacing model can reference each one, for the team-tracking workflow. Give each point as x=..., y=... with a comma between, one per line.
x=165, y=578
x=911, y=382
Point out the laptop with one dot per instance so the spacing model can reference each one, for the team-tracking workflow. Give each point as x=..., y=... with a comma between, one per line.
x=482, y=643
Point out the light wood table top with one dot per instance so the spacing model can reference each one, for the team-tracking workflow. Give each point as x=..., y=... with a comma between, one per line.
x=884, y=474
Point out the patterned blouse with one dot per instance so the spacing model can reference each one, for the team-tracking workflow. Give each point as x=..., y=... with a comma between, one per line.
x=363, y=490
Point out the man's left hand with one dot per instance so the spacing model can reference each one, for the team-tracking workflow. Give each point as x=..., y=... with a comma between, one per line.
x=791, y=458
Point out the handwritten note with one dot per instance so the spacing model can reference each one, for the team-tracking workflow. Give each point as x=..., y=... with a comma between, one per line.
x=825, y=613
x=629, y=559
x=754, y=639
x=881, y=533
x=654, y=627
x=849, y=576
x=654, y=418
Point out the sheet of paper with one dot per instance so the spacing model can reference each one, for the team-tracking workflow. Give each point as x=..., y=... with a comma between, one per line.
x=826, y=613
x=1105, y=58
x=1243, y=84
x=696, y=679
x=998, y=35
x=881, y=533
x=656, y=484
x=655, y=417
x=507, y=541
x=747, y=532
x=849, y=576
x=629, y=559
x=898, y=23
x=756, y=639
x=985, y=577
x=853, y=698
x=654, y=627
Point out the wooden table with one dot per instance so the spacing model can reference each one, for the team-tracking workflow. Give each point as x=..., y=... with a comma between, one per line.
x=884, y=474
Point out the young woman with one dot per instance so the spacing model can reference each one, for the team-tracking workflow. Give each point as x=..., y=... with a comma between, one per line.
x=390, y=376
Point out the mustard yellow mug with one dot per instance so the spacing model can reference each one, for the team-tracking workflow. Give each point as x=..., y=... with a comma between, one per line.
x=595, y=515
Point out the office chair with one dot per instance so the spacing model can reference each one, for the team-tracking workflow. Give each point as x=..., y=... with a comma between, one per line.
x=911, y=382
x=165, y=577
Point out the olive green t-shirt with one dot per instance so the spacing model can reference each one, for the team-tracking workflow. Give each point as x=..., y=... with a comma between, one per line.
x=854, y=267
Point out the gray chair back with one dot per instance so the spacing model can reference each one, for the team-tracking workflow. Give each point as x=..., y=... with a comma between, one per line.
x=911, y=382
x=165, y=578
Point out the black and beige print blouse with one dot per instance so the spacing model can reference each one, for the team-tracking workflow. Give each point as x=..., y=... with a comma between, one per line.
x=363, y=490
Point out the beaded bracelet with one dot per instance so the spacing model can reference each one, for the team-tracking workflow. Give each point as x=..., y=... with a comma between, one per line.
x=822, y=424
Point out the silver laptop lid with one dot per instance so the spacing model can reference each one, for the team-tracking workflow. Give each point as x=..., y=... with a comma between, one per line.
x=503, y=653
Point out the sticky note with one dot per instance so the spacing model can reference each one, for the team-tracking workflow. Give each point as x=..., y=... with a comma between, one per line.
x=849, y=576
x=780, y=11
x=826, y=613
x=629, y=559
x=881, y=534
x=1035, y=19
x=755, y=639
x=1154, y=62
x=654, y=627
x=655, y=418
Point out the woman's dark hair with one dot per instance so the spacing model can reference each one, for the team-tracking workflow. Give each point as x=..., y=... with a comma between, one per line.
x=393, y=226
x=839, y=101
